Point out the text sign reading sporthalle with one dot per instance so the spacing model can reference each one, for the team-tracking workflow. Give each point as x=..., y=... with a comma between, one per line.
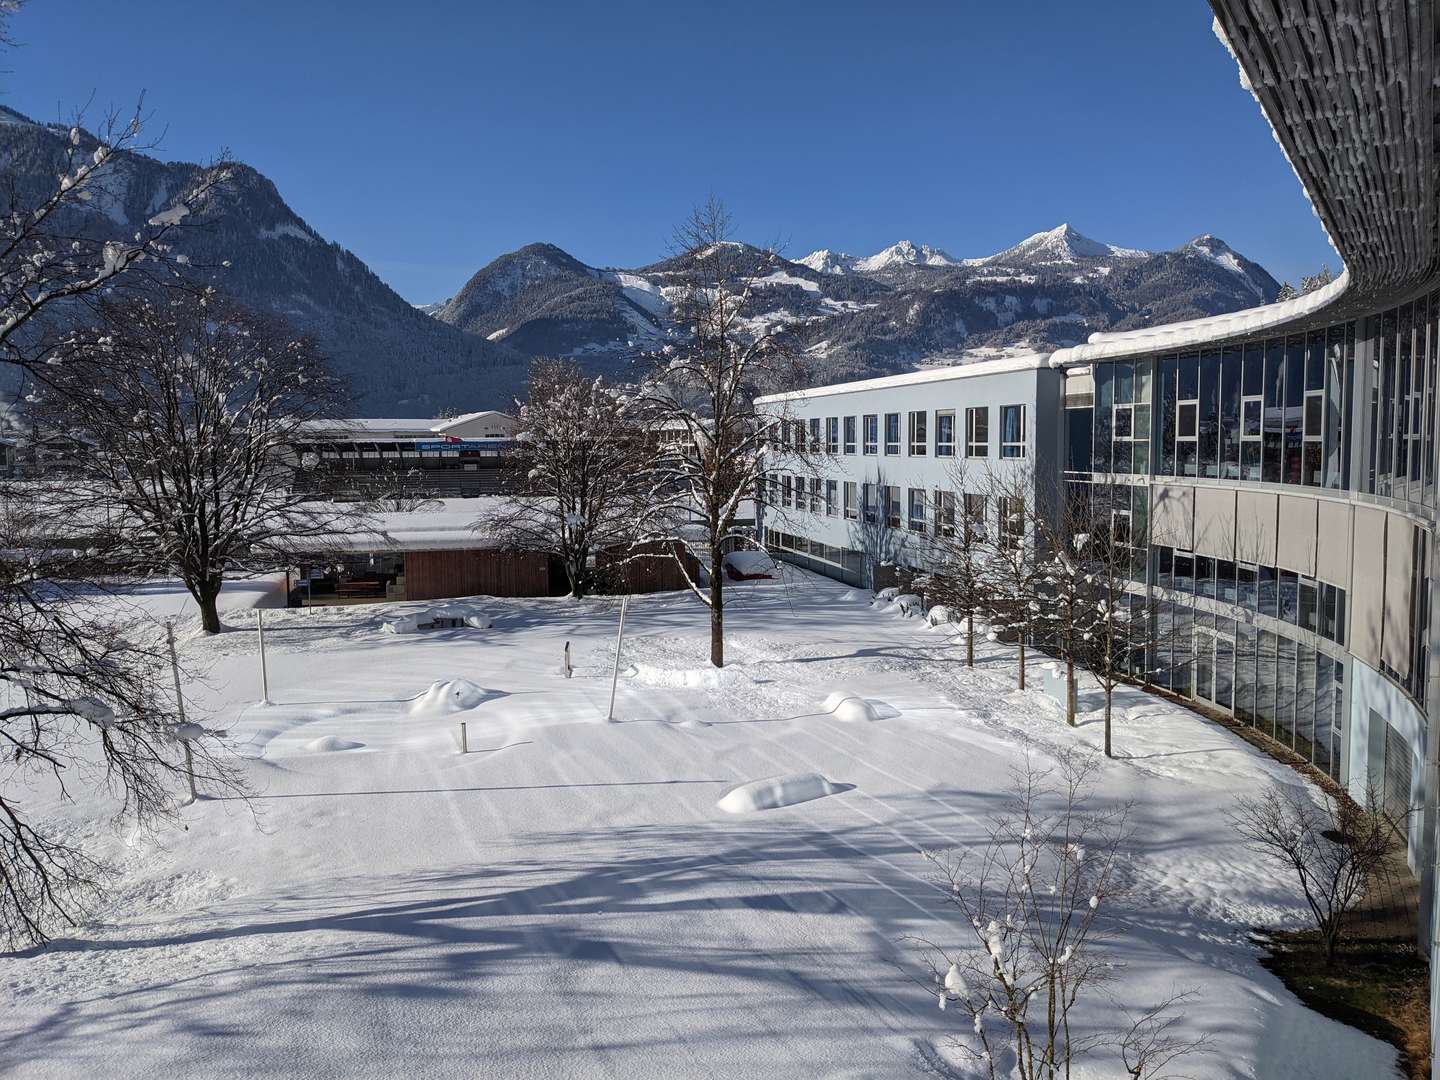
x=465, y=444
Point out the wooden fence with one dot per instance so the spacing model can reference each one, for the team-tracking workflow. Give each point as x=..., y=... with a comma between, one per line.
x=647, y=568
x=436, y=575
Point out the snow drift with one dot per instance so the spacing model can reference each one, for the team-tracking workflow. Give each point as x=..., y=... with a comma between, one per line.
x=448, y=696
x=776, y=791
x=854, y=709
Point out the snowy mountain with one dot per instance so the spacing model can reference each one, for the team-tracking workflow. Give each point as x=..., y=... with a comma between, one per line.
x=400, y=362
x=907, y=305
x=900, y=255
x=826, y=261
x=1062, y=244
x=904, y=254
x=1251, y=273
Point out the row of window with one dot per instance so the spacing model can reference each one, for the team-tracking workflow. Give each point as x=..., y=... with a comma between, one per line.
x=1402, y=401
x=1293, y=693
x=838, y=434
x=1308, y=603
x=1272, y=411
x=915, y=509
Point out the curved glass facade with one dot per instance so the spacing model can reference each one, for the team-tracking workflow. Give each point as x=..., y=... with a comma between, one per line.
x=1305, y=467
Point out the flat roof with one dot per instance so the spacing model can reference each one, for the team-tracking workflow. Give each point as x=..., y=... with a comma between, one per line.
x=1195, y=332
x=975, y=369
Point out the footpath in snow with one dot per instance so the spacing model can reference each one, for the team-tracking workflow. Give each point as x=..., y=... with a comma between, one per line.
x=714, y=884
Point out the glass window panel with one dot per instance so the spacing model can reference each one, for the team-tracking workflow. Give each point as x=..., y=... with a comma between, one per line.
x=1289, y=597
x=1209, y=414
x=1334, y=407
x=1224, y=662
x=1225, y=581
x=1285, y=693
x=1245, y=594
x=1294, y=407
x=1265, y=682
x=1181, y=655
x=1309, y=606
x=1269, y=594
x=1230, y=414
x=1305, y=703
x=1274, y=428
x=1324, y=710
x=1164, y=566
x=1204, y=576
x=1184, y=572
x=1169, y=367
x=1245, y=673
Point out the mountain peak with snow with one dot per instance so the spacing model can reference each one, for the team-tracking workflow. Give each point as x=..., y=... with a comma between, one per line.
x=1211, y=247
x=906, y=253
x=1062, y=244
x=826, y=261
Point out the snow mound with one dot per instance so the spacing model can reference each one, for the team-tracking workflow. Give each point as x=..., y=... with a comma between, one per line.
x=441, y=618
x=887, y=594
x=705, y=678
x=909, y=605
x=939, y=615
x=776, y=791
x=854, y=709
x=448, y=696
x=851, y=595
x=328, y=743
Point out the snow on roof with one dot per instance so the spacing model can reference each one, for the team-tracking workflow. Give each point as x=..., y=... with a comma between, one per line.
x=1029, y=362
x=406, y=424
x=452, y=528
x=465, y=418
x=1196, y=332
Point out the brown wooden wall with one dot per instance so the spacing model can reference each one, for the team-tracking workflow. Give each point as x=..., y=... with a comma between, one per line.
x=655, y=571
x=437, y=575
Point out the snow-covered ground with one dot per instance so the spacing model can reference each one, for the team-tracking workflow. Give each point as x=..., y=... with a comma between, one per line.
x=571, y=898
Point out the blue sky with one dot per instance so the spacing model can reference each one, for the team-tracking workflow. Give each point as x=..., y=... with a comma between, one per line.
x=432, y=136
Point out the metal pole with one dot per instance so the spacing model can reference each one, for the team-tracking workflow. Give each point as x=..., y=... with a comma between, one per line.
x=180, y=704
x=464, y=739
x=615, y=675
x=264, y=675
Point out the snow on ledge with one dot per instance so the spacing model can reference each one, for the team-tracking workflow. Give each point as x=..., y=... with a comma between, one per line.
x=1193, y=332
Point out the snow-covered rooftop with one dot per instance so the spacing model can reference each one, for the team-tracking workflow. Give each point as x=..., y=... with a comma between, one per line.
x=1195, y=332
x=945, y=373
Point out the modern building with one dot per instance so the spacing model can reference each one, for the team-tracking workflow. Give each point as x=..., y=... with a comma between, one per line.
x=461, y=456
x=887, y=463
x=1281, y=460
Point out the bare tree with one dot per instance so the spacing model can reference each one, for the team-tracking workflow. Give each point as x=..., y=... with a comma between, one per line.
x=698, y=405
x=1014, y=569
x=1334, y=846
x=580, y=472
x=191, y=404
x=962, y=549
x=1032, y=905
x=83, y=703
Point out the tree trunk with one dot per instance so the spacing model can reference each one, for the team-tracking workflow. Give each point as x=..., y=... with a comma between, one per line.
x=970, y=639
x=576, y=574
x=717, y=607
x=207, y=598
x=1108, y=691
x=1070, y=690
x=1022, y=661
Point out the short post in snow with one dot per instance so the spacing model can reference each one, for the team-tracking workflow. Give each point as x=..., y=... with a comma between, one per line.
x=615, y=675
x=264, y=675
x=180, y=704
x=565, y=667
x=464, y=739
